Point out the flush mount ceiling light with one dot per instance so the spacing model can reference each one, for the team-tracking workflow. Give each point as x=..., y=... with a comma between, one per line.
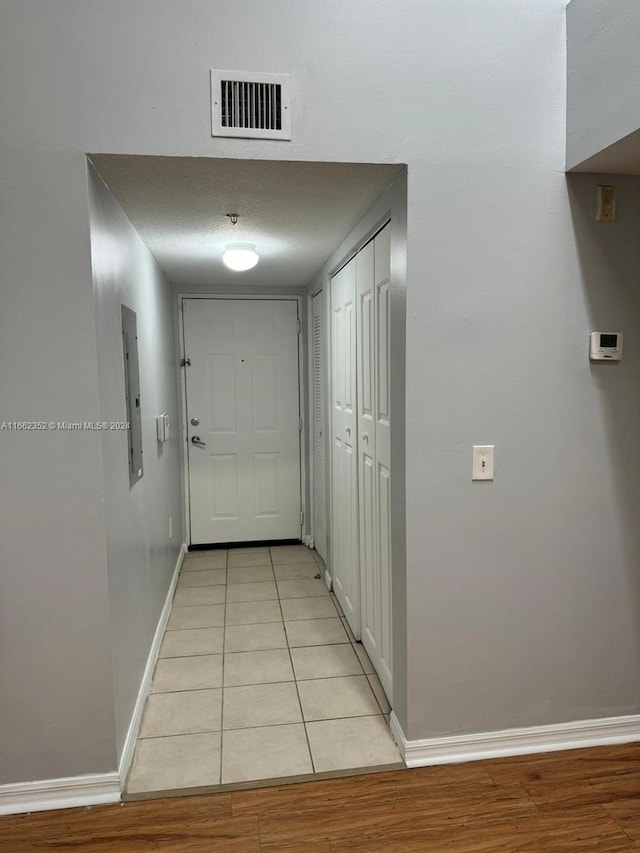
x=240, y=256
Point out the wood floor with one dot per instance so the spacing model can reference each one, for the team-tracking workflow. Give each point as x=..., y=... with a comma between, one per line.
x=587, y=800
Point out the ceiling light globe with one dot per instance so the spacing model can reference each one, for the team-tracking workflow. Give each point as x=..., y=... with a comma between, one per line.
x=240, y=257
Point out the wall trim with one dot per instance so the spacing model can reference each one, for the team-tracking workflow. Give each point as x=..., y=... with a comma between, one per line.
x=577, y=734
x=91, y=790
x=145, y=686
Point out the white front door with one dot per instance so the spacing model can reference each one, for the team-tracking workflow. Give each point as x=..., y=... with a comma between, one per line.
x=242, y=397
x=344, y=480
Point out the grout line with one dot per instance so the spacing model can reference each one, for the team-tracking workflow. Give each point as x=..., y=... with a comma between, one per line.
x=224, y=643
x=295, y=681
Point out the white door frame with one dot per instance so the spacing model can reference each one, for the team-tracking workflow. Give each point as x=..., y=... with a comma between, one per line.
x=183, y=393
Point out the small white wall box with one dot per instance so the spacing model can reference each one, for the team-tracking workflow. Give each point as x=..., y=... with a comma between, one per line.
x=605, y=346
x=162, y=427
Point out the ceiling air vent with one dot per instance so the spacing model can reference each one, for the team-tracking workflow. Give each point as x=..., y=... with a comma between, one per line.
x=251, y=105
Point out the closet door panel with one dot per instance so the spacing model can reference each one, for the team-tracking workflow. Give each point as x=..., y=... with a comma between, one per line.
x=344, y=496
x=382, y=269
x=366, y=405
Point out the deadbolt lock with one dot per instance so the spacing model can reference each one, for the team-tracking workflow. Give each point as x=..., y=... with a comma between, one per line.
x=195, y=421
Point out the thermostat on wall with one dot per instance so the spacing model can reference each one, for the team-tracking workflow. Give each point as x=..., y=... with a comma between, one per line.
x=606, y=346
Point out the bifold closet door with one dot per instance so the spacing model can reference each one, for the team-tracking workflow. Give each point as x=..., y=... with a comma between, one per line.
x=382, y=428
x=372, y=286
x=344, y=480
x=367, y=510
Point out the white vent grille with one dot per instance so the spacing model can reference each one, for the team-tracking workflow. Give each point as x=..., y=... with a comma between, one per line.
x=251, y=105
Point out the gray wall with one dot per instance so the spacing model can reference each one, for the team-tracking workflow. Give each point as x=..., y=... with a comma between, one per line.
x=140, y=555
x=56, y=705
x=523, y=604
x=603, y=71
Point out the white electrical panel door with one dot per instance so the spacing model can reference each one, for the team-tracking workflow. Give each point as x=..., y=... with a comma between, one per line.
x=344, y=479
x=318, y=366
x=243, y=439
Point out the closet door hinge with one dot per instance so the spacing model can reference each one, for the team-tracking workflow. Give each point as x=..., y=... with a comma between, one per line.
x=299, y=424
x=299, y=326
x=301, y=517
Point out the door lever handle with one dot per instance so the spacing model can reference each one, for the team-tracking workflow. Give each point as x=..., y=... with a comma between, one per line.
x=196, y=440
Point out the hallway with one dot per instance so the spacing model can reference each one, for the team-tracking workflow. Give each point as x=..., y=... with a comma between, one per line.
x=258, y=679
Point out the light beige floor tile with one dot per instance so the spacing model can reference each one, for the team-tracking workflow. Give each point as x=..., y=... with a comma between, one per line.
x=200, y=561
x=280, y=556
x=333, y=698
x=250, y=574
x=253, y=612
x=363, y=657
x=251, y=591
x=337, y=604
x=237, y=560
x=199, y=595
x=252, y=638
x=351, y=743
x=204, y=616
x=302, y=588
x=320, y=607
x=194, y=641
x=211, y=577
x=260, y=550
x=265, y=753
x=260, y=705
x=379, y=693
x=296, y=571
x=242, y=668
x=325, y=661
x=187, y=673
x=183, y=761
x=315, y=632
x=181, y=713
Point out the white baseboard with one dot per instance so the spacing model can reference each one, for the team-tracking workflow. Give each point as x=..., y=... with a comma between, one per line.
x=550, y=738
x=145, y=686
x=93, y=790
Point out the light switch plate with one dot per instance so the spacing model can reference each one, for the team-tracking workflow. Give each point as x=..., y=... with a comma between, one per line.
x=482, y=462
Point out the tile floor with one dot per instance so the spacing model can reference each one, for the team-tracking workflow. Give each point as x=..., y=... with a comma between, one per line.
x=258, y=678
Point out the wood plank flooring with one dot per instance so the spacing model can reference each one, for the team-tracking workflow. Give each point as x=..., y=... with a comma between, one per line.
x=581, y=800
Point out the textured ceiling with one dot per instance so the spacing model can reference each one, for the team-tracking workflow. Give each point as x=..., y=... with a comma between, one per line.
x=297, y=214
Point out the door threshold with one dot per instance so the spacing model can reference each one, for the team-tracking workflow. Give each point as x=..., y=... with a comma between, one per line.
x=253, y=543
x=138, y=796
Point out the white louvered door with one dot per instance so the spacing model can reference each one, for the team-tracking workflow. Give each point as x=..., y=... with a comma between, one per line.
x=318, y=414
